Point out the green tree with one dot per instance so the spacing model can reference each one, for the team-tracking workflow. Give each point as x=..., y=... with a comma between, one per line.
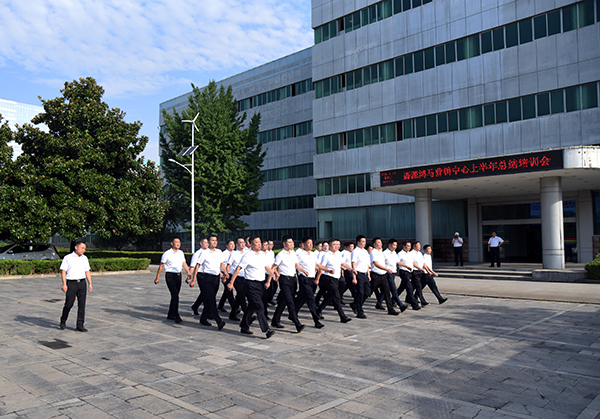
x=85, y=174
x=227, y=162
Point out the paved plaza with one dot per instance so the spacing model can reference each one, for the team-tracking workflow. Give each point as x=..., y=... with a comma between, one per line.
x=473, y=357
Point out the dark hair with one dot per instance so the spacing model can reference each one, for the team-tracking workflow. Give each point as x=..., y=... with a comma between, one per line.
x=415, y=243
x=360, y=237
x=286, y=238
x=213, y=235
x=375, y=239
x=347, y=244
x=237, y=239
x=405, y=242
x=427, y=246
x=78, y=242
x=333, y=239
x=392, y=241
x=252, y=238
x=230, y=241
x=306, y=238
x=172, y=240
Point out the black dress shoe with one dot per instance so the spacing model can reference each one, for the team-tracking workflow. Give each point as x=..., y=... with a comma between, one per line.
x=416, y=308
x=424, y=303
x=234, y=317
x=393, y=312
x=443, y=300
x=379, y=307
x=246, y=332
x=319, y=325
x=361, y=316
x=270, y=333
x=195, y=311
x=205, y=323
x=178, y=319
x=222, y=324
x=277, y=325
x=299, y=328
x=353, y=307
x=63, y=325
x=222, y=310
x=403, y=308
x=170, y=317
x=320, y=315
x=345, y=319
x=81, y=329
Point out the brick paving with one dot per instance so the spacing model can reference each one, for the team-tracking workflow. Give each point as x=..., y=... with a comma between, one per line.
x=473, y=357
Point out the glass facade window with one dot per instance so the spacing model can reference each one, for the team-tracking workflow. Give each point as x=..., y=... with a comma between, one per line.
x=489, y=114
x=452, y=121
x=450, y=52
x=418, y=61
x=514, y=110
x=528, y=103
x=540, y=29
x=589, y=96
x=442, y=121
x=498, y=39
x=486, y=42
x=440, y=55
x=525, y=32
x=543, y=104
x=501, y=112
x=569, y=15
x=512, y=35
x=573, y=98
x=554, y=22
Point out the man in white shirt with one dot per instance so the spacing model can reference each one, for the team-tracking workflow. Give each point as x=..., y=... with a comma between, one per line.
x=346, y=281
x=173, y=260
x=379, y=274
x=227, y=295
x=212, y=263
x=322, y=248
x=331, y=265
x=307, y=279
x=240, y=293
x=286, y=263
x=269, y=294
x=457, y=244
x=198, y=272
x=406, y=266
x=494, y=244
x=418, y=270
x=254, y=263
x=391, y=262
x=360, y=265
x=74, y=270
x=427, y=278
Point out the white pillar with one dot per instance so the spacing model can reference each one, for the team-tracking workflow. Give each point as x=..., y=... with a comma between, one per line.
x=475, y=254
x=585, y=227
x=423, y=223
x=553, y=252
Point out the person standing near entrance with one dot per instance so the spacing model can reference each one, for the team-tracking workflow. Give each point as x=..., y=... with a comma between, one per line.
x=75, y=269
x=457, y=243
x=173, y=260
x=494, y=244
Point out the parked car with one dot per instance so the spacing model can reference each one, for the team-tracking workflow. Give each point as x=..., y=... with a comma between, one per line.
x=29, y=251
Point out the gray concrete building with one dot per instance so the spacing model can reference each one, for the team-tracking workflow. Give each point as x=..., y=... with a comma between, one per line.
x=433, y=102
x=429, y=117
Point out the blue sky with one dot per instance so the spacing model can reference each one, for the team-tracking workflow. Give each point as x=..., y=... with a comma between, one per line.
x=141, y=52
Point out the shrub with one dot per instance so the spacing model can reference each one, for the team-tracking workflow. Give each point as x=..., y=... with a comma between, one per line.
x=28, y=267
x=593, y=268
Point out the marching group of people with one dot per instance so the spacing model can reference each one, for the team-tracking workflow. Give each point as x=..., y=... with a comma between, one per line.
x=249, y=267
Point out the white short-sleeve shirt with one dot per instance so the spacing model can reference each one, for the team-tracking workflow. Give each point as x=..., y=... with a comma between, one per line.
x=173, y=261
x=333, y=261
x=210, y=261
x=254, y=264
x=308, y=260
x=362, y=259
x=407, y=259
x=391, y=259
x=495, y=241
x=75, y=266
x=377, y=256
x=286, y=260
x=418, y=258
x=234, y=261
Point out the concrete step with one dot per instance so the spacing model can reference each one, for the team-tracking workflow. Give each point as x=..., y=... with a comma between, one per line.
x=491, y=273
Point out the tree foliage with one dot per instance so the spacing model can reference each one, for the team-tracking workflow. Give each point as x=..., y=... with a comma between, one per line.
x=86, y=174
x=227, y=162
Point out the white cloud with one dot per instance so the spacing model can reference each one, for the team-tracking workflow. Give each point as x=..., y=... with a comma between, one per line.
x=136, y=46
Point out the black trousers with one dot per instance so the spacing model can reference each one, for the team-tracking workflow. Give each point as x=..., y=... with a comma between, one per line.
x=287, y=291
x=255, y=291
x=227, y=296
x=380, y=282
x=306, y=294
x=173, y=281
x=427, y=280
x=495, y=255
x=406, y=284
x=268, y=295
x=458, y=254
x=240, y=295
x=393, y=291
x=332, y=294
x=200, y=299
x=209, y=285
x=349, y=277
x=363, y=291
x=75, y=289
x=415, y=280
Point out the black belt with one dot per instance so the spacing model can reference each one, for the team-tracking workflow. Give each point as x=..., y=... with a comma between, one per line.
x=288, y=276
x=76, y=280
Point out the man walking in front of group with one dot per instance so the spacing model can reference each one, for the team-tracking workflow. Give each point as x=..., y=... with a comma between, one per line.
x=254, y=263
x=212, y=262
x=173, y=261
x=74, y=270
x=286, y=263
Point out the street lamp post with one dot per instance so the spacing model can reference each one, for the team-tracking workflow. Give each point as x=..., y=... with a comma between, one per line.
x=187, y=152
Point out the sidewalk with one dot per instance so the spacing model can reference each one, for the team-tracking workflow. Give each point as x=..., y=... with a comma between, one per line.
x=472, y=357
